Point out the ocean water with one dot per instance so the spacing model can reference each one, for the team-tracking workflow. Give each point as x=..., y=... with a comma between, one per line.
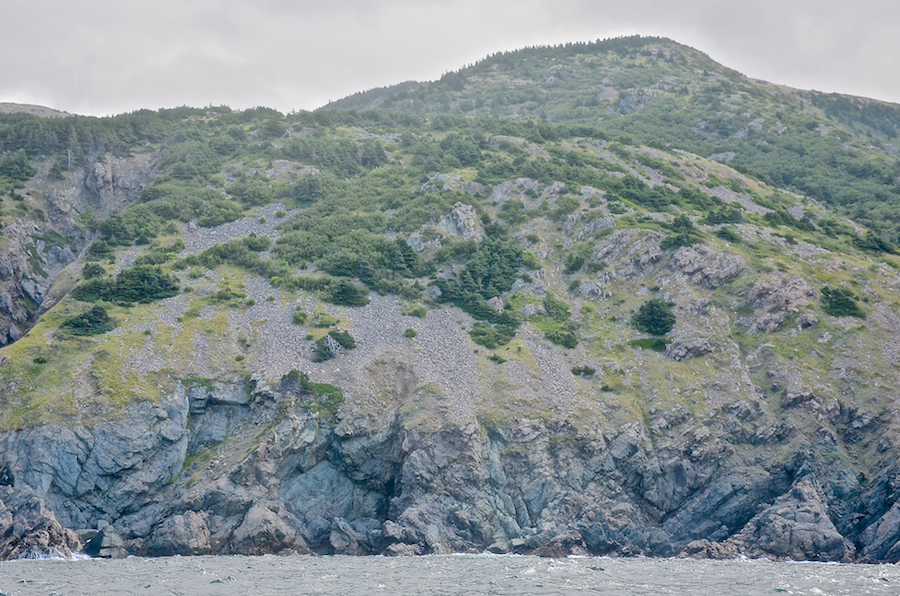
x=442, y=575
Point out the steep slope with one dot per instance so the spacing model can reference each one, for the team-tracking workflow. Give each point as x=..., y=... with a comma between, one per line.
x=376, y=333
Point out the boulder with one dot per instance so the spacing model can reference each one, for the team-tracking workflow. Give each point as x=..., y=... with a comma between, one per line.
x=261, y=532
x=28, y=529
x=684, y=349
x=706, y=267
x=779, y=298
x=106, y=544
x=185, y=534
x=568, y=543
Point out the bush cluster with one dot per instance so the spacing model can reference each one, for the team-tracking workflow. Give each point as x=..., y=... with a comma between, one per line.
x=141, y=283
x=654, y=317
x=93, y=322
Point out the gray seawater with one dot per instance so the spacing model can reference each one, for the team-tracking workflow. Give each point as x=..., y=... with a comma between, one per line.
x=442, y=575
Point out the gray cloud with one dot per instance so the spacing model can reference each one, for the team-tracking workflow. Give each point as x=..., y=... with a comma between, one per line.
x=103, y=56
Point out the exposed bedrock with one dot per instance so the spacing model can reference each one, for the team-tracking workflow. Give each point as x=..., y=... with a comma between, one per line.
x=218, y=471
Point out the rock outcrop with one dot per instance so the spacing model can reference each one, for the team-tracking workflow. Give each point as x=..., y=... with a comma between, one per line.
x=706, y=267
x=462, y=222
x=377, y=484
x=778, y=298
x=29, y=530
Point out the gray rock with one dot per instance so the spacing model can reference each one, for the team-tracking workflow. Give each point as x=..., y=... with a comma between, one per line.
x=706, y=267
x=262, y=531
x=881, y=540
x=796, y=526
x=532, y=310
x=779, y=297
x=28, y=529
x=345, y=540
x=186, y=534
x=462, y=222
x=404, y=550
x=106, y=544
x=568, y=543
x=684, y=349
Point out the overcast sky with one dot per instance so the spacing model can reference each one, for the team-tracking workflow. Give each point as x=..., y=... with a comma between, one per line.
x=105, y=57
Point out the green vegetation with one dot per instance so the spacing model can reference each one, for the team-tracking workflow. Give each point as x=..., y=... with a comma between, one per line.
x=657, y=344
x=685, y=234
x=328, y=346
x=324, y=397
x=141, y=283
x=489, y=270
x=16, y=167
x=841, y=302
x=92, y=270
x=556, y=323
x=654, y=317
x=92, y=322
x=829, y=146
x=359, y=207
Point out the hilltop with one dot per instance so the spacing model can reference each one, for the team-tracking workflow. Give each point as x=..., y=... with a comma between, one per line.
x=626, y=301
x=840, y=150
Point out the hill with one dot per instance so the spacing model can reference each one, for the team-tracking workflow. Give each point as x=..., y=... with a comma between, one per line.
x=839, y=150
x=401, y=332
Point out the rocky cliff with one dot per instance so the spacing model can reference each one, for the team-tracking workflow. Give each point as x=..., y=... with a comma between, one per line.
x=36, y=248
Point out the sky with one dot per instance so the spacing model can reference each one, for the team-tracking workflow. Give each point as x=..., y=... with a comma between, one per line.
x=104, y=57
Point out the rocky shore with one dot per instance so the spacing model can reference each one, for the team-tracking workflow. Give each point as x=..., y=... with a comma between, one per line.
x=286, y=480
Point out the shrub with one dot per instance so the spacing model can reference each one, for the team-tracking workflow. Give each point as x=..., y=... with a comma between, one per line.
x=345, y=293
x=299, y=318
x=654, y=317
x=344, y=338
x=323, y=319
x=583, y=371
x=92, y=322
x=492, y=336
x=416, y=311
x=410, y=333
x=141, y=283
x=92, y=270
x=685, y=233
x=840, y=302
x=728, y=235
x=328, y=347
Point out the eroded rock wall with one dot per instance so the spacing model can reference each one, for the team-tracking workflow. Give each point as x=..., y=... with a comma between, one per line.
x=276, y=477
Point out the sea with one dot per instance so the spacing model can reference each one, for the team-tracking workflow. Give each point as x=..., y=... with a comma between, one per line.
x=444, y=575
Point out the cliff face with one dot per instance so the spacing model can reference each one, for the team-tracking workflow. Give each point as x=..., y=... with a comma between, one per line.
x=284, y=479
x=39, y=246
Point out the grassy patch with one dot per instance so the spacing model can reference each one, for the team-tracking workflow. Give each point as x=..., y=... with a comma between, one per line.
x=657, y=344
